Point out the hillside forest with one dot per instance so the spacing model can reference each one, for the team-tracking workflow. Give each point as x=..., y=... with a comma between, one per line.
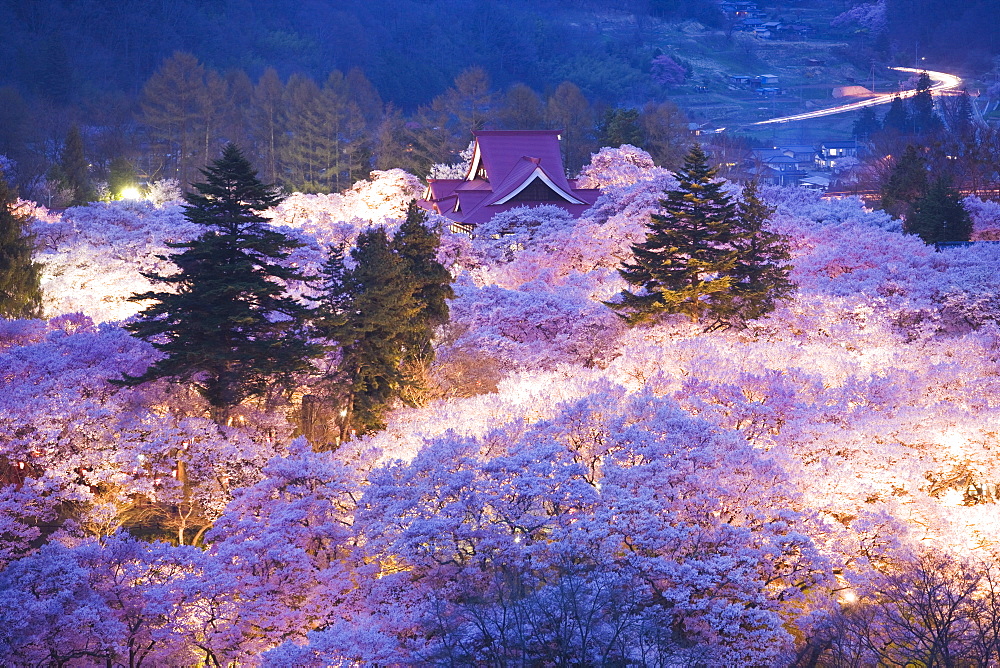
x=259, y=408
x=155, y=91
x=816, y=486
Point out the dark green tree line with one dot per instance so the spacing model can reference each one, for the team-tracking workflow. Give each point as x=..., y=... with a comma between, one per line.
x=322, y=137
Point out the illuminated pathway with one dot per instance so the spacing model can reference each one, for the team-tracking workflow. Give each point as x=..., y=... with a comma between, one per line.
x=940, y=82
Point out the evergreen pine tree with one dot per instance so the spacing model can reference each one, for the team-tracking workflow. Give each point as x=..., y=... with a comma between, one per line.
x=760, y=274
x=369, y=311
x=897, y=118
x=907, y=182
x=229, y=326
x=20, y=290
x=685, y=264
x=334, y=299
x=417, y=246
x=381, y=314
x=866, y=124
x=939, y=215
x=75, y=171
x=620, y=126
x=961, y=117
x=924, y=119
x=332, y=395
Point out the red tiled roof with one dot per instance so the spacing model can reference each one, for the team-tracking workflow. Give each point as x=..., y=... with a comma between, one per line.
x=521, y=172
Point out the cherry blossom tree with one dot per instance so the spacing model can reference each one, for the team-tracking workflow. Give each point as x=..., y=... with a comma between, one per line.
x=819, y=487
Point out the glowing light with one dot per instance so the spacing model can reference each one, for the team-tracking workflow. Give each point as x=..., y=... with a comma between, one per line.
x=952, y=498
x=131, y=192
x=941, y=81
x=848, y=597
x=955, y=441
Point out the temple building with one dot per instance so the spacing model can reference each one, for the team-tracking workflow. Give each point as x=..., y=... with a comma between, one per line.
x=509, y=168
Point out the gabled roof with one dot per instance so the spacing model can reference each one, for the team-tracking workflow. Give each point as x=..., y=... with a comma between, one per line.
x=441, y=188
x=504, y=164
x=499, y=151
x=523, y=174
x=798, y=148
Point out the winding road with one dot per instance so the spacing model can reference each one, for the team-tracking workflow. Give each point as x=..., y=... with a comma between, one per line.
x=940, y=82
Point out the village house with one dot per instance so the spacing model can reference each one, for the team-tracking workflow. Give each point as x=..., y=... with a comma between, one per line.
x=509, y=168
x=785, y=165
x=831, y=151
x=804, y=155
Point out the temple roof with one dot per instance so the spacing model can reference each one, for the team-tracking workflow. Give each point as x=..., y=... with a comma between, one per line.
x=505, y=167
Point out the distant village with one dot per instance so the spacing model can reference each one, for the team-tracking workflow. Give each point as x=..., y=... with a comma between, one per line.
x=747, y=17
x=811, y=167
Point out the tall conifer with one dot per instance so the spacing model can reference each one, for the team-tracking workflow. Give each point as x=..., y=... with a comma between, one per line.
x=75, y=170
x=228, y=326
x=20, y=290
x=381, y=313
x=866, y=124
x=897, y=118
x=418, y=245
x=939, y=215
x=370, y=312
x=685, y=263
x=706, y=257
x=620, y=126
x=906, y=183
x=760, y=275
x=923, y=117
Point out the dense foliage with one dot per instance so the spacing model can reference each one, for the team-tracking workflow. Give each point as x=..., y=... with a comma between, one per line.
x=820, y=487
x=117, y=45
x=705, y=256
x=228, y=324
x=317, y=95
x=20, y=290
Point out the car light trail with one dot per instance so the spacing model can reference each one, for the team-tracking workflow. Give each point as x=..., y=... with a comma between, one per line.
x=940, y=83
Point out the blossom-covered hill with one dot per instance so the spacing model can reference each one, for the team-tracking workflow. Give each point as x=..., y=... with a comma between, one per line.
x=569, y=489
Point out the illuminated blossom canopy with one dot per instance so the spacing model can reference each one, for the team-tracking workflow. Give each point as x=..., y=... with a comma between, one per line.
x=567, y=487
